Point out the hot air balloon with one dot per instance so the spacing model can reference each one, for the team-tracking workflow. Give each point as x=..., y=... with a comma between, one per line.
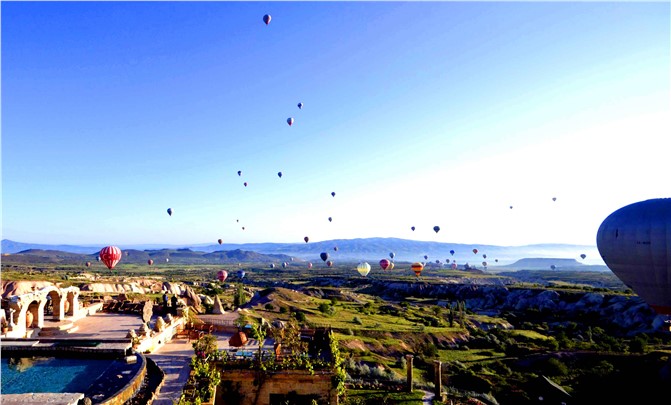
x=417, y=267
x=436, y=228
x=220, y=241
x=426, y=257
x=475, y=251
x=454, y=266
x=452, y=252
x=306, y=239
x=170, y=211
x=222, y=275
x=167, y=260
x=98, y=258
x=511, y=207
x=335, y=248
x=267, y=18
x=290, y=121
x=484, y=264
x=484, y=256
x=412, y=227
x=332, y=193
x=243, y=228
x=324, y=256
x=279, y=174
x=634, y=243
x=363, y=268
x=284, y=265
x=496, y=260
x=330, y=219
x=309, y=265
x=150, y=262
x=300, y=106
x=272, y=265
x=384, y=264
x=437, y=261
x=553, y=267
x=88, y=264
x=245, y=183
x=583, y=256
x=391, y=266
x=110, y=255
x=329, y=263
x=554, y=198
x=241, y=274
x=239, y=172
x=391, y=255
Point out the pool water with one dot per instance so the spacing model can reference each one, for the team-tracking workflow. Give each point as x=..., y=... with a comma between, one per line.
x=49, y=374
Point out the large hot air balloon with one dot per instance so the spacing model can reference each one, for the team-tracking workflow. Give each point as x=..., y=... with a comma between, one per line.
x=220, y=241
x=452, y=252
x=267, y=18
x=324, y=256
x=306, y=239
x=329, y=263
x=300, y=106
x=290, y=121
x=417, y=267
x=363, y=268
x=436, y=228
x=150, y=262
x=222, y=275
x=384, y=264
x=635, y=243
x=170, y=211
x=110, y=255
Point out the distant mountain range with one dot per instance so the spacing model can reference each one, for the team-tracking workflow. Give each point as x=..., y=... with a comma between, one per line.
x=366, y=249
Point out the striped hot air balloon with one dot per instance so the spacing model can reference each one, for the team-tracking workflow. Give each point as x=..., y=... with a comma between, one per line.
x=110, y=255
x=417, y=268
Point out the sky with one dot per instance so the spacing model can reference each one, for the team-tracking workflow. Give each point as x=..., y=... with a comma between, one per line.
x=416, y=114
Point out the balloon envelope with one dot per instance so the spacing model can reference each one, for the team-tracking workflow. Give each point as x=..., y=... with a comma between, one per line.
x=635, y=243
x=329, y=263
x=363, y=268
x=220, y=241
x=300, y=106
x=88, y=264
x=110, y=255
x=412, y=227
x=384, y=264
x=279, y=174
x=306, y=239
x=170, y=211
x=222, y=275
x=267, y=18
x=150, y=262
x=333, y=193
x=417, y=268
x=324, y=256
x=475, y=251
x=241, y=274
x=309, y=265
x=436, y=229
x=290, y=121
x=452, y=252
x=391, y=255
x=582, y=256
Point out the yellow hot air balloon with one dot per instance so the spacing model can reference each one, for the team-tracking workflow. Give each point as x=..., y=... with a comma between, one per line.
x=363, y=268
x=417, y=267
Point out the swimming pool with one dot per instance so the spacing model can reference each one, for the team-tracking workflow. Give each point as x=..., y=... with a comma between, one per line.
x=50, y=374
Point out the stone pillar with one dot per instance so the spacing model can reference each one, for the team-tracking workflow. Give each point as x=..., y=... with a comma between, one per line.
x=437, y=379
x=408, y=359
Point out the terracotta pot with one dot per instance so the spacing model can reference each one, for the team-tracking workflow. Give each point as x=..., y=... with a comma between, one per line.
x=29, y=319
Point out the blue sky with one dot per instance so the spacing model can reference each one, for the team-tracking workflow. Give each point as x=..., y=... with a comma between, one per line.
x=415, y=114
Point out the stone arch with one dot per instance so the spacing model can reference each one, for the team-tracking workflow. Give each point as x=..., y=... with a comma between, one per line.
x=33, y=315
x=71, y=298
x=57, y=304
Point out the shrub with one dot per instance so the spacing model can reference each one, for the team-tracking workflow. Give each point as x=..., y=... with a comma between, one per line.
x=357, y=320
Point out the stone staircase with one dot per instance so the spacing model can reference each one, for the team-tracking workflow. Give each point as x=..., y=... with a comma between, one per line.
x=61, y=329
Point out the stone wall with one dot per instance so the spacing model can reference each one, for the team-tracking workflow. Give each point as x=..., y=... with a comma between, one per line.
x=244, y=387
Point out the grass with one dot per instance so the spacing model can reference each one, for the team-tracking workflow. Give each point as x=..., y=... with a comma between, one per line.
x=377, y=397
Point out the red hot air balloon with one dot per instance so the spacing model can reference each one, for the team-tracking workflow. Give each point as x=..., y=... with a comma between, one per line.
x=417, y=268
x=150, y=262
x=329, y=263
x=110, y=255
x=290, y=121
x=306, y=239
x=475, y=251
x=267, y=18
x=222, y=275
x=384, y=264
x=220, y=241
